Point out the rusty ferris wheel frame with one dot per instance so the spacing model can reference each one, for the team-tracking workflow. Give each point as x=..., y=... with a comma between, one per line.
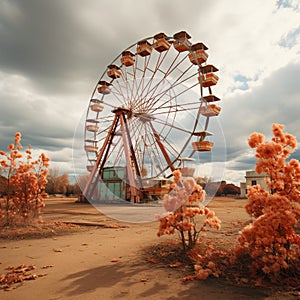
x=141, y=114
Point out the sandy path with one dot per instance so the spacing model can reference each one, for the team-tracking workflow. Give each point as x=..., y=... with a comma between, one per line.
x=106, y=263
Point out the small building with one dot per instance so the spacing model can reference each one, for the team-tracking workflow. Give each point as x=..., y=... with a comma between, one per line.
x=253, y=178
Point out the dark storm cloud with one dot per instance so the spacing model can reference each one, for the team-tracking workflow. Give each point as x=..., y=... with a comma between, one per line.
x=44, y=121
x=34, y=37
x=57, y=42
x=45, y=42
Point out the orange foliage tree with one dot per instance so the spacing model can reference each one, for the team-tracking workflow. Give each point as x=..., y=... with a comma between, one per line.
x=57, y=184
x=26, y=180
x=271, y=241
x=183, y=206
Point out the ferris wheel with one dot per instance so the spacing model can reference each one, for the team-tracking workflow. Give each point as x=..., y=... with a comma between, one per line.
x=150, y=109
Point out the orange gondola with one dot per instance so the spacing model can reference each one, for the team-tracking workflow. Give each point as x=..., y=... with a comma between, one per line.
x=114, y=71
x=181, y=41
x=127, y=58
x=198, y=54
x=161, y=44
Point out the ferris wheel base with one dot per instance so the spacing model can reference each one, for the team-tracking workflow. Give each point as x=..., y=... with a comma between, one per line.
x=114, y=188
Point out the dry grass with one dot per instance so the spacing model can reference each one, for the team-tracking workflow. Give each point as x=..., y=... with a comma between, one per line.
x=39, y=230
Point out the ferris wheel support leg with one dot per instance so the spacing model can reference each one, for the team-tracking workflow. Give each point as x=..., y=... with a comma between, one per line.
x=134, y=197
x=132, y=154
x=91, y=185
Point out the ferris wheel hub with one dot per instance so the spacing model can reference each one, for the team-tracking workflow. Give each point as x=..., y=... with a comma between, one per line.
x=120, y=110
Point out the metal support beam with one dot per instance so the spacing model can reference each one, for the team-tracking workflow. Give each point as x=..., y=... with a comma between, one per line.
x=132, y=183
x=162, y=148
x=90, y=185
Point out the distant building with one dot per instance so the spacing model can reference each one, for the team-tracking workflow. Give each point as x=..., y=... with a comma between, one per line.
x=253, y=178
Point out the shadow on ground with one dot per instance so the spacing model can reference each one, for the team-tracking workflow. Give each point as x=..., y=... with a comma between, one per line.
x=137, y=281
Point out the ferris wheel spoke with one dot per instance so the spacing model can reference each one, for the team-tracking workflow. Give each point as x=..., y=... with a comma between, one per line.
x=180, y=106
x=105, y=129
x=118, y=94
x=146, y=153
x=158, y=97
x=173, y=66
x=168, y=152
x=147, y=148
x=176, y=81
x=131, y=83
x=130, y=88
x=140, y=93
x=162, y=91
x=144, y=94
x=143, y=150
x=126, y=76
x=171, y=125
x=146, y=90
x=128, y=84
x=155, y=157
x=154, y=71
x=118, y=152
x=177, y=109
x=135, y=129
x=174, y=107
x=168, y=145
x=140, y=85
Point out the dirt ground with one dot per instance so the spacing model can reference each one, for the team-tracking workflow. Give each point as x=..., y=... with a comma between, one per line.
x=106, y=259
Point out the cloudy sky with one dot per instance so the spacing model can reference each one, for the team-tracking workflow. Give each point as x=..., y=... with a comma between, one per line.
x=52, y=53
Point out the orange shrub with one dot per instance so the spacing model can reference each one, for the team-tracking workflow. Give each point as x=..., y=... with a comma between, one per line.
x=184, y=209
x=26, y=180
x=271, y=240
